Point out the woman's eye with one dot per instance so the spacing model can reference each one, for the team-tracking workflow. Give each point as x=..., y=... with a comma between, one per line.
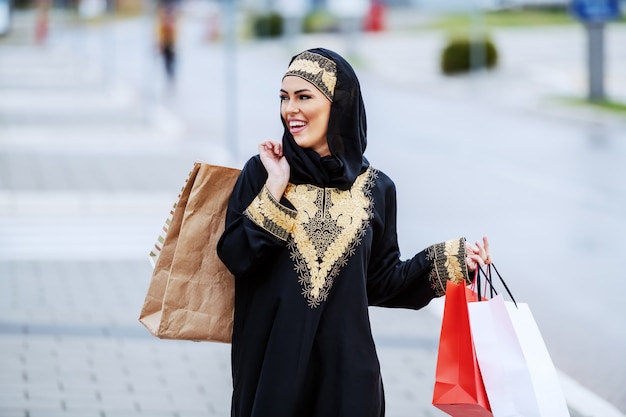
x=283, y=98
x=304, y=97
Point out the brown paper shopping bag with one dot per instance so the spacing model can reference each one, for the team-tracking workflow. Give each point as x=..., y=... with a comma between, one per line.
x=191, y=293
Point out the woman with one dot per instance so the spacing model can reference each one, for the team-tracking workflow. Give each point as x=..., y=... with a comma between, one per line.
x=311, y=240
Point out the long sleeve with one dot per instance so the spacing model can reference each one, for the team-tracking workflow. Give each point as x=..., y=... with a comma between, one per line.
x=255, y=222
x=412, y=283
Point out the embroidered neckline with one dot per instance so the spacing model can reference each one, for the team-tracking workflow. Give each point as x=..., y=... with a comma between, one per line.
x=330, y=223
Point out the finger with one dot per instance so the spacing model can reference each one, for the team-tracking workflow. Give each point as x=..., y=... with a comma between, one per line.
x=471, y=264
x=487, y=253
x=265, y=146
x=478, y=259
x=469, y=248
x=481, y=249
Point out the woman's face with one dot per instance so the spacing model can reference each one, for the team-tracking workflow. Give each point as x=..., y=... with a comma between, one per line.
x=306, y=112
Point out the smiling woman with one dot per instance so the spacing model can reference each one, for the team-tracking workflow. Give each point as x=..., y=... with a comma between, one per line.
x=305, y=111
x=310, y=237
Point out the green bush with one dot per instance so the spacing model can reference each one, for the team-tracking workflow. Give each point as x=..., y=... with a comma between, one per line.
x=268, y=25
x=320, y=21
x=457, y=55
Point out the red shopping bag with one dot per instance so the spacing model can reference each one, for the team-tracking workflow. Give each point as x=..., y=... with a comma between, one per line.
x=459, y=389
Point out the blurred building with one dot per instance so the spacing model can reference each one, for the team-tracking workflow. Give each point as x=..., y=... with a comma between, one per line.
x=6, y=11
x=426, y=4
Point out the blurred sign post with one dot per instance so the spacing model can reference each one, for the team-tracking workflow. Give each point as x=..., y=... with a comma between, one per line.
x=293, y=12
x=594, y=14
x=351, y=14
x=230, y=59
x=477, y=37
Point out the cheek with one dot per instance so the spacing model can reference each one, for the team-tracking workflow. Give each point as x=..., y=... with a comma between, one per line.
x=325, y=119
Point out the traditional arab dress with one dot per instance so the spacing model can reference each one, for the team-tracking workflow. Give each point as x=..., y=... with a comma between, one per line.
x=307, y=267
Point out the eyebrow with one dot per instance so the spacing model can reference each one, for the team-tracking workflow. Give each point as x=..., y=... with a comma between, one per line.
x=303, y=90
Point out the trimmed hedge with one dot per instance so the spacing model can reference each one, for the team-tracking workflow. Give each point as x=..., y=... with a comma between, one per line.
x=457, y=55
x=268, y=25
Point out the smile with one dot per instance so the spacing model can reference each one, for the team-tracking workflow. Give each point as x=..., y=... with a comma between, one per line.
x=296, y=126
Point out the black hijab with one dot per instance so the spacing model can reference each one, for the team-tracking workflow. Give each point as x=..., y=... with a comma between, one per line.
x=347, y=135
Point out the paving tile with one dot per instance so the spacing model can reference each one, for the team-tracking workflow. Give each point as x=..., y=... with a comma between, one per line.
x=45, y=412
x=30, y=387
x=11, y=374
x=191, y=403
x=150, y=404
x=116, y=389
x=119, y=402
x=221, y=409
x=7, y=411
x=11, y=390
x=126, y=413
x=48, y=400
x=17, y=400
x=77, y=403
x=184, y=413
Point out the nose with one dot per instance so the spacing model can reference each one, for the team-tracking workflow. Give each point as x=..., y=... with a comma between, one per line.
x=291, y=107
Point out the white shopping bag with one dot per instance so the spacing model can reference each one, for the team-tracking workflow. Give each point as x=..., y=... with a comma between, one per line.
x=519, y=376
x=545, y=379
x=501, y=360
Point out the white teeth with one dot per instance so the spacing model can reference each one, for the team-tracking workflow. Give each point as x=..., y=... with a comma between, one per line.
x=296, y=124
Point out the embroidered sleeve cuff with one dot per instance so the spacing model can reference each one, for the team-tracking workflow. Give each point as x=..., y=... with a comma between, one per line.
x=270, y=215
x=448, y=263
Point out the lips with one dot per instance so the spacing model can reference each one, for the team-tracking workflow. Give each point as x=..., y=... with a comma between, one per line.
x=296, y=126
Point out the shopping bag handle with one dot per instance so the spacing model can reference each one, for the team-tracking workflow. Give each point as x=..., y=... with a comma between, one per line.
x=488, y=280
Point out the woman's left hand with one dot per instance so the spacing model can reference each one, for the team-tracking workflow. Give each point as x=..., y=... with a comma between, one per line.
x=477, y=255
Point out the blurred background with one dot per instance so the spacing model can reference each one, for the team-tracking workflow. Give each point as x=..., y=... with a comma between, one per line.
x=504, y=118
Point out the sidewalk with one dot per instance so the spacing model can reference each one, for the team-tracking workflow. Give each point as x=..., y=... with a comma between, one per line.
x=84, y=189
x=81, y=200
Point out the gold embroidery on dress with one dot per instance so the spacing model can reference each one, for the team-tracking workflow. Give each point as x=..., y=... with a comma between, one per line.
x=448, y=260
x=268, y=213
x=329, y=225
x=451, y=252
x=436, y=282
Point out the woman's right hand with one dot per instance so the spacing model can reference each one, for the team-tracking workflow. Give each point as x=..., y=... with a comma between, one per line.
x=477, y=255
x=277, y=167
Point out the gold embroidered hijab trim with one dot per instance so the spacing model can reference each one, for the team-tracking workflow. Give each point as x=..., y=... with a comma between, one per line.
x=316, y=69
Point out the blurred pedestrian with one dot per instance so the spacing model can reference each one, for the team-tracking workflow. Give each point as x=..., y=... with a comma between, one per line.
x=166, y=38
x=42, y=21
x=213, y=29
x=311, y=240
